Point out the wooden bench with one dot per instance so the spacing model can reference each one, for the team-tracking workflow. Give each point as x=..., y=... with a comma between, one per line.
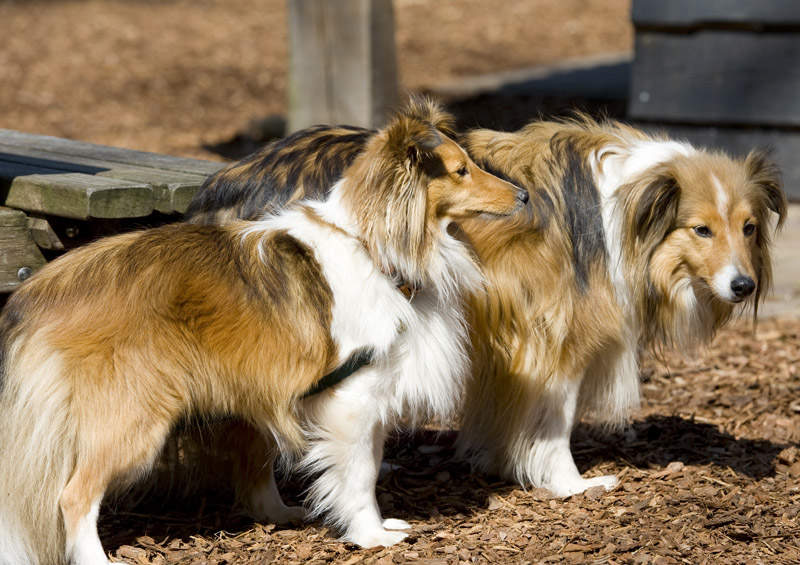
x=58, y=193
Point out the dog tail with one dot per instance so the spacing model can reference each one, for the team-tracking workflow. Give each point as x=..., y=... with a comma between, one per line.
x=37, y=449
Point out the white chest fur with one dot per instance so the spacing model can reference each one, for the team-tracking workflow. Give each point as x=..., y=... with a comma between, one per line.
x=419, y=344
x=368, y=311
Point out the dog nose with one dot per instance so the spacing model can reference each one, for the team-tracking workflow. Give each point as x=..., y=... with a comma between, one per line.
x=523, y=196
x=742, y=286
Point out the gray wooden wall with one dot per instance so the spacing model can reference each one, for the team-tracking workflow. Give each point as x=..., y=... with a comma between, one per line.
x=724, y=73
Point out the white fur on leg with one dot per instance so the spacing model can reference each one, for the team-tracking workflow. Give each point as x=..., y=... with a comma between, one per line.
x=564, y=478
x=396, y=524
x=266, y=504
x=84, y=547
x=347, y=449
x=541, y=454
x=363, y=533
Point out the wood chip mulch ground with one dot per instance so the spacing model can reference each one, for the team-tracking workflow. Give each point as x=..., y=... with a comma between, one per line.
x=709, y=473
x=181, y=76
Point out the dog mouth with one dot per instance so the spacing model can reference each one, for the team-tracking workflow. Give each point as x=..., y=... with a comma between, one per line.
x=709, y=290
x=486, y=214
x=490, y=214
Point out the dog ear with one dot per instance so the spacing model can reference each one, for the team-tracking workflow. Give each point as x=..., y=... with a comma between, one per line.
x=766, y=175
x=425, y=109
x=427, y=140
x=409, y=138
x=401, y=172
x=656, y=208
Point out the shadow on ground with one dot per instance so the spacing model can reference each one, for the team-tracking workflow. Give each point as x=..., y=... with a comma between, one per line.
x=428, y=482
x=658, y=440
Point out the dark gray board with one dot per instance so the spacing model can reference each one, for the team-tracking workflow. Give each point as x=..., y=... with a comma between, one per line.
x=692, y=13
x=717, y=77
x=69, y=147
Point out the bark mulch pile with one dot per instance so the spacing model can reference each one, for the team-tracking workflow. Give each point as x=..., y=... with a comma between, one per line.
x=708, y=470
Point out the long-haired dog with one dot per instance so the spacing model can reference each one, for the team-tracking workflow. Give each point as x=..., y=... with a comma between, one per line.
x=631, y=242
x=108, y=346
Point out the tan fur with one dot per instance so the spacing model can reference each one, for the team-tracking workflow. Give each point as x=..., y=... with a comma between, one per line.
x=662, y=209
x=552, y=313
x=237, y=191
x=141, y=325
x=448, y=194
x=141, y=330
x=536, y=326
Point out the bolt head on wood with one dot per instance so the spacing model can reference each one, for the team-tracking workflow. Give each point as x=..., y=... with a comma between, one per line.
x=24, y=273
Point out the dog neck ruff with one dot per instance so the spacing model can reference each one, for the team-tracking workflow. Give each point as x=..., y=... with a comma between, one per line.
x=406, y=288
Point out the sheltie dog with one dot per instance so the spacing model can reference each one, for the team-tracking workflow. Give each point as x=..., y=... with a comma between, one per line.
x=108, y=346
x=631, y=242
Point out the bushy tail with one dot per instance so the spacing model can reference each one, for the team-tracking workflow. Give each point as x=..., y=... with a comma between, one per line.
x=37, y=454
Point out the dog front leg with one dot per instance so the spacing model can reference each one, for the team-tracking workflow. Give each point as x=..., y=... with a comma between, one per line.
x=543, y=456
x=348, y=450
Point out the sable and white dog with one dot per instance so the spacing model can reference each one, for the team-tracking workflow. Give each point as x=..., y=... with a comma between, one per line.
x=108, y=346
x=632, y=242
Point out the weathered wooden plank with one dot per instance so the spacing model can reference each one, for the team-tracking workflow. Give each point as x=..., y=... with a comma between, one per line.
x=44, y=235
x=169, y=187
x=343, y=65
x=180, y=195
x=693, y=13
x=73, y=195
x=169, y=196
x=74, y=148
x=174, y=198
x=19, y=256
x=717, y=77
x=80, y=196
x=785, y=146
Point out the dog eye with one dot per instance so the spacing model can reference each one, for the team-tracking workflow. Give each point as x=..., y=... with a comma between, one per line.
x=702, y=231
x=749, y=229
x=462, y=172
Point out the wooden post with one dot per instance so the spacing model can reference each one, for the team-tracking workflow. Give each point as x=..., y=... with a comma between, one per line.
x=19, y=256
x=343, y=67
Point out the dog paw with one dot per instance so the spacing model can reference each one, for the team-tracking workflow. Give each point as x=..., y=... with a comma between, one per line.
x=395, y=524
x=579, y=485
x=608, y=482
x=375, y=538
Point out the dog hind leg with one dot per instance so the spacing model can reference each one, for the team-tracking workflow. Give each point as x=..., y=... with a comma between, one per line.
x=80, y=508
x=103, y=457
x=263, y=500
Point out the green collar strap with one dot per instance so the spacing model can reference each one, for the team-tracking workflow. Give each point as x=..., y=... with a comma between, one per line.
x=358, y=359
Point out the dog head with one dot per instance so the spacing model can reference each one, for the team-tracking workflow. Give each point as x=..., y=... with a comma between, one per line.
x=410, y=182
x=699, y=226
